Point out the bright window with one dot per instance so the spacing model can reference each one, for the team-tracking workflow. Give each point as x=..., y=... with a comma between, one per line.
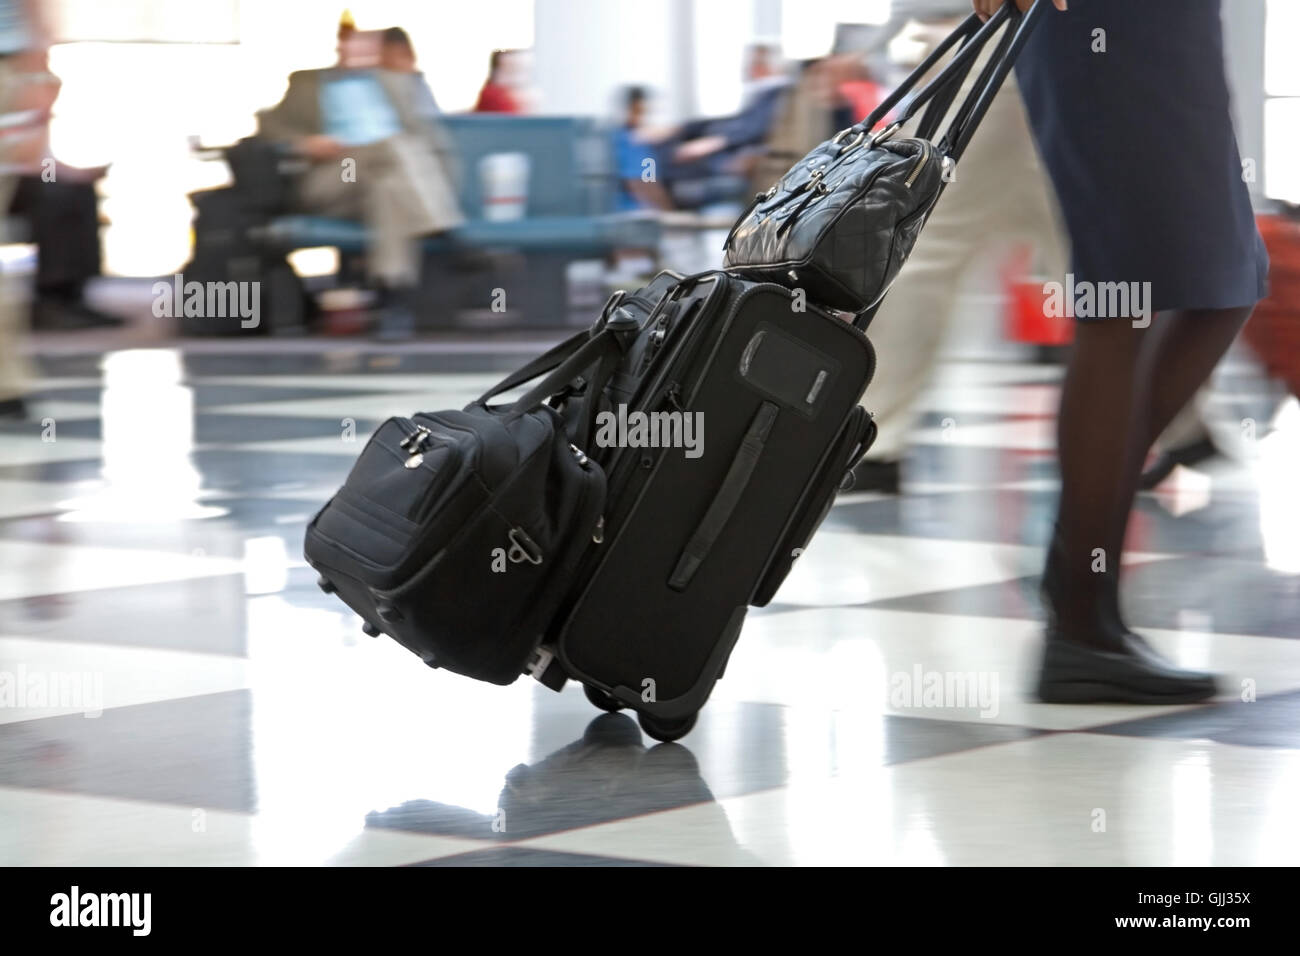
x=1282, y=102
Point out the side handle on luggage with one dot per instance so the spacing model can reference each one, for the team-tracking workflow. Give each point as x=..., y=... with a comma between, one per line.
x=728, y=496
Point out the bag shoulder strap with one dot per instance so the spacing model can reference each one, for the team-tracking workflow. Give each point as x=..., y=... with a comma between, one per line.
x=555, y=355
x=548, y=360
x=604, y=350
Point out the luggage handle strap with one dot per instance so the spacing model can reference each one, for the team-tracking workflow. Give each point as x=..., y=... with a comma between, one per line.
x=726, y=499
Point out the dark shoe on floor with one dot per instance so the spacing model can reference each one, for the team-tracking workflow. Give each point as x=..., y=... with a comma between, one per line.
x=12, y=409
x=1186, y=455
x=50, y=315
x=880, y=476
x=1130, y=673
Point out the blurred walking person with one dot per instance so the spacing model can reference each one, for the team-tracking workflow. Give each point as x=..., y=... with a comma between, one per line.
x=1000, y=197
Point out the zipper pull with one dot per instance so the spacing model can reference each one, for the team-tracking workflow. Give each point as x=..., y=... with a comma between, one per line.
x=414, y=443
x=758, y=198
x=674, y=398
x=818, y=188
x=598, y=535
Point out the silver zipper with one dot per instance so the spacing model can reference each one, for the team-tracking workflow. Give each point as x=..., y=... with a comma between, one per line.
x=598, y=535
x=414, y=445
x=916, y=170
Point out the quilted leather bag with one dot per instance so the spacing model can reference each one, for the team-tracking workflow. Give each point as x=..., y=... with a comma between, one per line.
x=841, y=223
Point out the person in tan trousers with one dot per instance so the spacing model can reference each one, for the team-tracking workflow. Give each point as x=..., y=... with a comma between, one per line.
x=999, y=196
x=377, y=156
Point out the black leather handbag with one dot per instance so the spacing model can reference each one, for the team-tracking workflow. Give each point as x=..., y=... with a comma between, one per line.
x=842, y=222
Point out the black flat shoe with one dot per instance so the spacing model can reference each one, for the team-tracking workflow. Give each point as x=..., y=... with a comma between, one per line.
x=1187, y=455
x=1132, y=673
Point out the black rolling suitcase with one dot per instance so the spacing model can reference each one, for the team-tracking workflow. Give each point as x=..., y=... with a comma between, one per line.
x=674, y=461
x=692, y=536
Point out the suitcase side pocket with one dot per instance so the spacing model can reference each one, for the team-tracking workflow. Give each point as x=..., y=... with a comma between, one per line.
x=855, y=438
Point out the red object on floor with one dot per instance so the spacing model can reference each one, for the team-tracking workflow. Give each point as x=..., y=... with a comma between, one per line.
x=1274, y=330
x=1027, y=318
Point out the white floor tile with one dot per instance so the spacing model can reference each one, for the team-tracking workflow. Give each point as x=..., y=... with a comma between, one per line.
x=33, y=568
x=44, y=828
x=866, y=661
x=1033, y=803
x=88, y=678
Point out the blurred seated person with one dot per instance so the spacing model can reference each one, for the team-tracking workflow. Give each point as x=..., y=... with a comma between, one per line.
x=397, y=55
x=377, y=156
x=61, y=209
x=709, y=159
x=499, y=93
x=806, y=117
x=636, y=161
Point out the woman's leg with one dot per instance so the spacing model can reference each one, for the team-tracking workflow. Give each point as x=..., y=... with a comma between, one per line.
x=1100, y=399
x=1123, y=387
x=1179, y=356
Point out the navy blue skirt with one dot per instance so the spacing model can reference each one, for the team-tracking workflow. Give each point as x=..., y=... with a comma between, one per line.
x=1138, y=142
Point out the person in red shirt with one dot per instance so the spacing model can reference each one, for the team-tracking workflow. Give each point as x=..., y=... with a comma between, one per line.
x=497, y=96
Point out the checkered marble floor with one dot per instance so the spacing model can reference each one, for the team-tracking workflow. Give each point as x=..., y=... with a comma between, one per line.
x=181, y=693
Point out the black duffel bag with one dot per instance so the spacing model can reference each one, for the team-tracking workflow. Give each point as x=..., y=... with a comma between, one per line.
x=841, y=223
x=456, y=532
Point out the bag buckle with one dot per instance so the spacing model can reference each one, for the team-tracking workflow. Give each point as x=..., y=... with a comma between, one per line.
x=523, y=548
x=885, y=134
x=612, y=303
x=541, y=659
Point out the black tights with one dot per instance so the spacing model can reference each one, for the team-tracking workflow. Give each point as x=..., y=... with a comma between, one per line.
x=1124, y=385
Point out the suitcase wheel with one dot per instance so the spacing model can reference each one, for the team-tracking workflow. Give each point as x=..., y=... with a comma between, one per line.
x=601, y=699
x=370, y=629
x=667, y=730
x=325, y=584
